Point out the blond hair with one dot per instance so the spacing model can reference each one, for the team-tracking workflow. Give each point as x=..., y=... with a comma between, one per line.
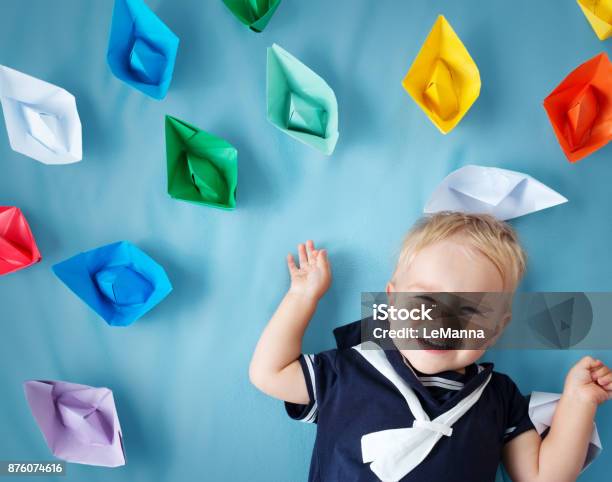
x=493, y=238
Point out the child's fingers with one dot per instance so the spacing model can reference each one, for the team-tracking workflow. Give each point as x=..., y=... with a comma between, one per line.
x=605, y=380
x=310, y=251
x=597, y=373
x=322, y=260
x=589, y=363
x=302, y=256
x=291, y=264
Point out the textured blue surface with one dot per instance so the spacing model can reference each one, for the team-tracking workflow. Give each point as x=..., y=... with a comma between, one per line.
x=180, y=374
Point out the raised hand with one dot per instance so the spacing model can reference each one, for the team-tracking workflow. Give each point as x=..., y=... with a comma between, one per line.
x=589, y=380
x=313, y=275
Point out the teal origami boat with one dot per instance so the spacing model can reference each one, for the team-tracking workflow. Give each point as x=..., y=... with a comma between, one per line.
x=300, y=103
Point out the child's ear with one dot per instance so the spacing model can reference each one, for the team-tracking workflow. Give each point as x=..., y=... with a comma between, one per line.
x=390, y=291
x=502, y=325
x=507, y=317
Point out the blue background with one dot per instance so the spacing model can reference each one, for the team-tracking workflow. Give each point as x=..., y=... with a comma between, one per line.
x=179, y=375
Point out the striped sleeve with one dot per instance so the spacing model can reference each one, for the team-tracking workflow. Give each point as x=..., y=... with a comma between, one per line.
x=319, y=374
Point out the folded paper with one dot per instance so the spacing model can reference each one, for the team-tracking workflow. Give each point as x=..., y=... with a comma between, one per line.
x=118, y=281
x=141, y=49
x=79, y=422
x=599, y=15
x=580, y=108
x=18, y=248
x=253, y=13
x=300, y=103
x=202, y=168
x=500, y=192
x=41, y=119
x=542, y=406
x=443, y=80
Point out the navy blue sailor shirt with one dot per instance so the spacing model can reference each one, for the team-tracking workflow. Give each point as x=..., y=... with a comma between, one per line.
x=350, y=398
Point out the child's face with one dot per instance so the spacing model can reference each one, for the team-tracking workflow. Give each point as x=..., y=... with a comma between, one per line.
x=450, y=265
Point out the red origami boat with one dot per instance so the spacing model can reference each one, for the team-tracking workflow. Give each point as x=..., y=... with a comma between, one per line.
x=580, y=108
x=18, y=248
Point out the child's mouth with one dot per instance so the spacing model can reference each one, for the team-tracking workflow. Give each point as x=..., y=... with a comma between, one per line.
x=439, y=344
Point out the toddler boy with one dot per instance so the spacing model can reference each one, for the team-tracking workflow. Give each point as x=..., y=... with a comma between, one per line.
x=425, y=414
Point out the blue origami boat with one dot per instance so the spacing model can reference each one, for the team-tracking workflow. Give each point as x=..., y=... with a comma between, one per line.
x=141, y=48
x=118, y=281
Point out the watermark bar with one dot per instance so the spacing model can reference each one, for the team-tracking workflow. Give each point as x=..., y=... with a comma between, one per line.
x=16, y=468
x=474, y=321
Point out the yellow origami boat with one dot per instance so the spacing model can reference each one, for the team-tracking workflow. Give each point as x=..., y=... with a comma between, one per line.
x=443, y=79
x=599, y=15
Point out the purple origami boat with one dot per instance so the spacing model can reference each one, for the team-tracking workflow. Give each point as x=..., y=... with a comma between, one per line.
x=79, y=422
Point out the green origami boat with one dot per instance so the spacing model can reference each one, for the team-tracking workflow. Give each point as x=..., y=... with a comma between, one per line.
x=300, y=103
x=202, y=168
x=253, y=13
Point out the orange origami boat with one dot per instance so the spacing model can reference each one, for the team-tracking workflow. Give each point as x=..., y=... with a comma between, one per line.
x=18, y=248
x=580, y=108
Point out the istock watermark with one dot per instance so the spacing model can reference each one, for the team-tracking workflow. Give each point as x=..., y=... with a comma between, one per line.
x=450, y=321
x=384, y=312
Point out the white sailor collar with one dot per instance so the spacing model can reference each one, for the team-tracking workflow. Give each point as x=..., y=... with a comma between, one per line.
x=348, y=336
x=465, y=384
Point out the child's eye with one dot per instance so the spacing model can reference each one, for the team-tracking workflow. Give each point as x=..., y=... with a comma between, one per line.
x=470, y=310
x=425, y=298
